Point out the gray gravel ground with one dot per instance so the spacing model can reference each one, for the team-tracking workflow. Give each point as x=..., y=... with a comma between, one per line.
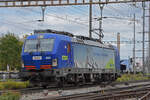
x=46, y=93
x=39, y=95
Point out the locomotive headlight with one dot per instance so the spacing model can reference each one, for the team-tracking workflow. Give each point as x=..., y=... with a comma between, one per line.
x=22, y=65
x=54, y=62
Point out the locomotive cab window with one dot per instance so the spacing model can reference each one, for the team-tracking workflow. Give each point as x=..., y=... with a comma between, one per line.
x=30, y=45
x=46, y=44
x=35, y=45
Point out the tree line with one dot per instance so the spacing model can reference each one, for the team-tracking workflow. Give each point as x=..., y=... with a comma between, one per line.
x=10, y=52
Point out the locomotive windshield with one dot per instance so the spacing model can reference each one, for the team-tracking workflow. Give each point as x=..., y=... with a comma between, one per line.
x=46, y=44
x=40, y=45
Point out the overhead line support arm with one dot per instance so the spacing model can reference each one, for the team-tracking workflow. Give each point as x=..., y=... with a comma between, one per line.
x=27, y=3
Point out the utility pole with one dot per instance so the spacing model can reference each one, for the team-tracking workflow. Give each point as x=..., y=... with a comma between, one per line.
x=43, y=12
x=149, y=43
x=118, y=41
x=134, y=45
x=100, y=21
x=143, y=53
x=90, y=19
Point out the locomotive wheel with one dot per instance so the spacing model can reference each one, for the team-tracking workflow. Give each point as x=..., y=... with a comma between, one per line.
x=44, y=85
x=60, y=82
x=76, y=84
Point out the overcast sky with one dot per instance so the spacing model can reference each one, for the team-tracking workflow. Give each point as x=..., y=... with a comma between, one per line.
x=74, y=19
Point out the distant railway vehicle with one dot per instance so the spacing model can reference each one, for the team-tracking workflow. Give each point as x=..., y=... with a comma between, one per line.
x=126, y=66
x=59, y=57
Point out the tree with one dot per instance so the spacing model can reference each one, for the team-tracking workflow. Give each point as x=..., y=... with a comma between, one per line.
x=10, y=52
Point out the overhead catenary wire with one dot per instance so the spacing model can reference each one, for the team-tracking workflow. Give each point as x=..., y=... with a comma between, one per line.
x=116, y=10
x=128, y=42
x=62, y=18
x=67, y=17
x=80, y=10
x=17, y=25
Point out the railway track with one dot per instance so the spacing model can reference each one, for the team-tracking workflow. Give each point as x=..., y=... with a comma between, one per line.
x=113, y=95
x=120, y=93
x=91, y=91
x=49, y=88
x=70, y=87
x=145, y=97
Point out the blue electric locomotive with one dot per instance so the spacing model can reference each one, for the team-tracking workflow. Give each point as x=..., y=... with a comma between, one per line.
x=52, y=56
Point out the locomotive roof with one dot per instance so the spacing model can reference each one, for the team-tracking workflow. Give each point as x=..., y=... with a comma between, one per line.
x=47, y=35
x=53, y=31
x=69, y=37
x=89, y=42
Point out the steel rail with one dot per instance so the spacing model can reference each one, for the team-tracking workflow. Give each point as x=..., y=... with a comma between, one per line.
x=117, y=95
x=145, y=97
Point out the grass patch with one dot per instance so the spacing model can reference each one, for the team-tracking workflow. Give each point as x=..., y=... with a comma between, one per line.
x=10, y=96
x=131, y=77
x=13, y=85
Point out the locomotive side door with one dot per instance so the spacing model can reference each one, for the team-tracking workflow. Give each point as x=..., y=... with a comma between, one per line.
x=70, y=54
x=66, y=54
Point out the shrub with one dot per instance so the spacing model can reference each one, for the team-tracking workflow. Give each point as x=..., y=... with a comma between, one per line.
x=9, y=85
x=131, y=77
x=1, y=87
x=13, y=85
x=10, y=96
